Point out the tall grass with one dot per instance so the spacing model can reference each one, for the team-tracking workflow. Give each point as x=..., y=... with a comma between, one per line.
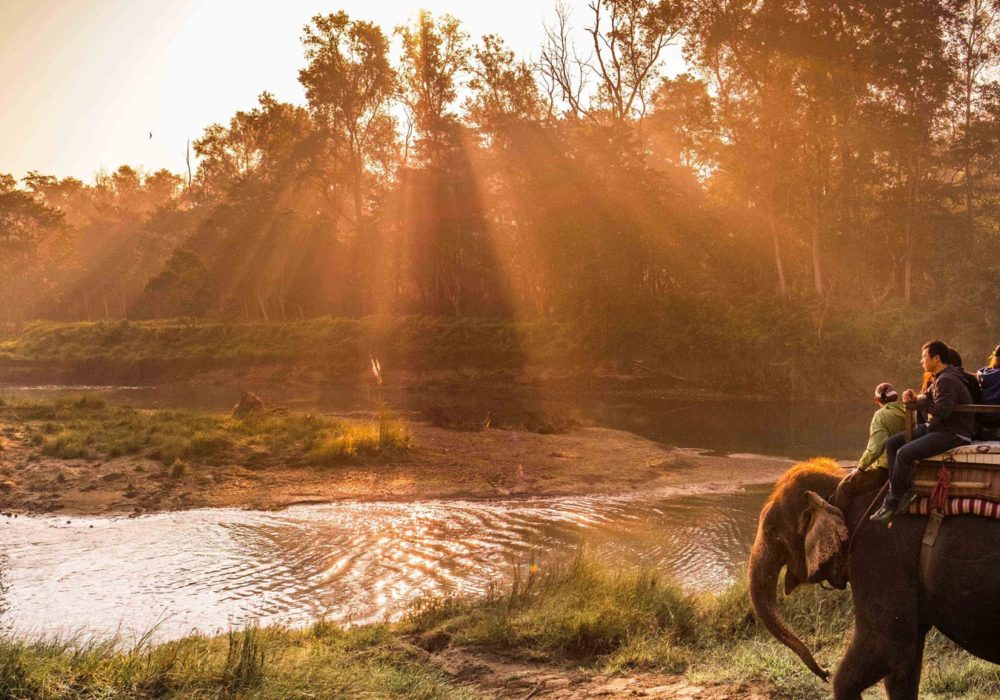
x=353, y=445
x=618, y=621
x=571, y=614
x=244, y=666
x=274, y=663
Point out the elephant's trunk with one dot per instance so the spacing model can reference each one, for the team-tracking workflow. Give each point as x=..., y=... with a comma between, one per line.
x=765, y=565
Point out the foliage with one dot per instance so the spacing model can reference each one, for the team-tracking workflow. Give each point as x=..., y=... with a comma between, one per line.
x=824, y=175
x=857, y=349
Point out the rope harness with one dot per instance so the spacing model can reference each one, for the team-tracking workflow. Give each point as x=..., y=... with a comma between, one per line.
x=938, y=502
x=939, y=496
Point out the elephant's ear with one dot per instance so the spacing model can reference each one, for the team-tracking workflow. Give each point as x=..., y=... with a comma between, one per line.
x=825, y=533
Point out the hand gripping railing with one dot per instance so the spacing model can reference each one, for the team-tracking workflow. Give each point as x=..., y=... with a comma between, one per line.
x=911, y=413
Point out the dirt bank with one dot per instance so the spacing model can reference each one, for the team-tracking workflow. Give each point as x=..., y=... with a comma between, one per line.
x=490, y=675
x=442, y=464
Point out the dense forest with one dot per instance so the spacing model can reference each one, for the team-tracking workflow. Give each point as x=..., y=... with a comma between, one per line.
x=824, y=172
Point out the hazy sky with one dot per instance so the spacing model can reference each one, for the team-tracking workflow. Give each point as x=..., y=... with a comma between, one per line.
x=84, y=82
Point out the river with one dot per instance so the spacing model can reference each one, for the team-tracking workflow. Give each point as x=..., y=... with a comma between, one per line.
x=169, y=574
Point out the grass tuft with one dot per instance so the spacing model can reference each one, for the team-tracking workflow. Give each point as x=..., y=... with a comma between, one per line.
x=356, y=444
x=179, y=469
x=245, y=666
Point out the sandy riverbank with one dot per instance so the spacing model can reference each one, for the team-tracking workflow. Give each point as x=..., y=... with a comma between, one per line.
x=442, y=464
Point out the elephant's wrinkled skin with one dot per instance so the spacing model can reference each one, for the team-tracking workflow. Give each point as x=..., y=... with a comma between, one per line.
x=893, y=611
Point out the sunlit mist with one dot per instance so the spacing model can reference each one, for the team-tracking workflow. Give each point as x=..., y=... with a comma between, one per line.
x=86, y=83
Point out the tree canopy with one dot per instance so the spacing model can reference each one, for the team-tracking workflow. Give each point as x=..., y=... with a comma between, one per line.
x=829, y=159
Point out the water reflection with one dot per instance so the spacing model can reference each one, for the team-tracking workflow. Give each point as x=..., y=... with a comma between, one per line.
x=207, y=570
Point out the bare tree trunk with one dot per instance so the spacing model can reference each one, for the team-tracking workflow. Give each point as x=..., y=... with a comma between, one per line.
x=816, y=260
x=107, y=310
x=406, y=142
x=779, y=265
x=187, y=159
x=967, y=145
x=911, y=213
x=356, y=191
x=263, y=309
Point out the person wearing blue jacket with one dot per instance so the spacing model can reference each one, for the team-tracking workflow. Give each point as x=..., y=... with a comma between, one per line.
x=989, y=383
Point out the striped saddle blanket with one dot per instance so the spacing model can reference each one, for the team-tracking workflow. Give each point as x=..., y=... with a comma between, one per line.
x=959, y=506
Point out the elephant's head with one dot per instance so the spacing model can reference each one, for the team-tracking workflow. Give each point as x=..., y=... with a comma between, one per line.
x=798, y=530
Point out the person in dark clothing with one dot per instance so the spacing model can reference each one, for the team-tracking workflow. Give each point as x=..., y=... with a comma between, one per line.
x=971, y=381
x=944, y=430
x=989, y=382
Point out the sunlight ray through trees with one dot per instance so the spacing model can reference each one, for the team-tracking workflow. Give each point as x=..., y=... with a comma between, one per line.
x=812, y=161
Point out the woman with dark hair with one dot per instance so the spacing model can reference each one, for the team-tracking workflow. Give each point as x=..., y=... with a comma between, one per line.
x=971, y=381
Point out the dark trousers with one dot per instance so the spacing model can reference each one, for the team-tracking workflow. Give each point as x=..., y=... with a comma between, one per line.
x=902, y=455
x=856, y=483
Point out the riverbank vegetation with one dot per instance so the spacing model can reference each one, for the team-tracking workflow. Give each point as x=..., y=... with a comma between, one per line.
x=785, y=198
x=578, y=623
x=481, y=353
x=85, y=456
x=90, y=429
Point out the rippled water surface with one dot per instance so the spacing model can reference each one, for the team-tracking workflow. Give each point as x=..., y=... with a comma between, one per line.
x=206, y=570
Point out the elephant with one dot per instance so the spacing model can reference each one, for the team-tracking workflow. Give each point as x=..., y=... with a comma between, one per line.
x=895, y=604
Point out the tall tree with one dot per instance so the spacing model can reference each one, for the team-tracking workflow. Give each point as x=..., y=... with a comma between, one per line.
x=27, y=226
x=683, y=126
x=349, y=85
x=911, y=74
x=973, y=42
x=263, y=143
x=628, y=43
x=435, y=57
x=504, y=93
x=629, y=38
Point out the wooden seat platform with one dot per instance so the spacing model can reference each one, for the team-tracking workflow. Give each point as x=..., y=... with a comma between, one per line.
x=973, y=469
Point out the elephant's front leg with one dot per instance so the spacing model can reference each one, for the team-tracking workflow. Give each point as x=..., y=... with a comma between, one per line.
x=894, y=652
x=904, y=681
x=862, y=667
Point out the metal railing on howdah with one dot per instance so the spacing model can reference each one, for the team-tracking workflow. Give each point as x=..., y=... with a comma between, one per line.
x=911, y=413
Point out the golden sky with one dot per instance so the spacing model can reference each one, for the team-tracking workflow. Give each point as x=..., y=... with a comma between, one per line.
x=84, y=82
